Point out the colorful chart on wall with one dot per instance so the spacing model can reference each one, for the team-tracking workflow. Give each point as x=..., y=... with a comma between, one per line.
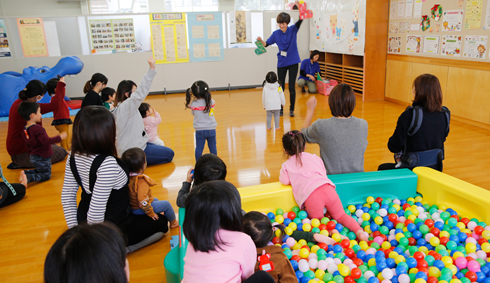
x=169, y=38
x=32, y=37
x=4, y=42
x=451, y=45
x=394, y=44
x=474, y=10
x=475, y=46
x=431, y=44
x=339, y=27
x=413, y=44
x=110, y=34
x=487, y=16
x=240, y=27
x=205, y=36
x=452, y=20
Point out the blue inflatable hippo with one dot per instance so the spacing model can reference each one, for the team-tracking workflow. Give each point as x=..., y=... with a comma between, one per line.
x=13, y=82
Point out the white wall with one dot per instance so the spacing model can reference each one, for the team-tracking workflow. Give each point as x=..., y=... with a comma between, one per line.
x=37, y=8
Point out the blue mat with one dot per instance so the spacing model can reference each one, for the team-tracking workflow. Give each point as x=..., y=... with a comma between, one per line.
x=47, y=115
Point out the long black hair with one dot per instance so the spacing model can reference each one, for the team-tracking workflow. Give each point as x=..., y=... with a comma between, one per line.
x=294, y=143
x=209, y=167
x=271, y=78
x=258, y=226
x=32, y=89
x=97, y=77
x=125, y=86
x=87, y=253
x=199, y=89
x=209, y=207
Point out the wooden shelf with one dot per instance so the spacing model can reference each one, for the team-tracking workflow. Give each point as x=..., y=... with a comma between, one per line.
x=343, y=68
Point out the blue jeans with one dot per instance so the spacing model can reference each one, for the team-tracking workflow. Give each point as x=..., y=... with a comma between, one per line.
x=42, y=171
x=158, y=207
x=157, y=154
x=201, y=137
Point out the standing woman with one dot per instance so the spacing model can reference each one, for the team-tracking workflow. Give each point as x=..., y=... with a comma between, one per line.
x=16, y=146
x=129, y=123
x=428, y=141
x=287, y=57
x=92, y=89
x=307, y=72
x=103, y=178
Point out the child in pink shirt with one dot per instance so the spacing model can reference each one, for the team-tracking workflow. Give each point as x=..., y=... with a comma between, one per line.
x=312, y=189
x=151, y=123
x=218, y=251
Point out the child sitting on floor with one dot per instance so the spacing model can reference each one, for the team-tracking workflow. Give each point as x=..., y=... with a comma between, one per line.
x=140, y=197
x=108, y=95
x=151, y=118
x=39, y=144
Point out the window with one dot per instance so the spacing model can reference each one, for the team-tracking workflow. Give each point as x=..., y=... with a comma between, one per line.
x=118, y=6
x=258, y=5
x=191, y=5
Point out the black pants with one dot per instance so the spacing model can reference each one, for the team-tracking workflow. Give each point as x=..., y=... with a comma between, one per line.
x=293, y=73
x=389, y=166
x=8, y=197
x=260, y=277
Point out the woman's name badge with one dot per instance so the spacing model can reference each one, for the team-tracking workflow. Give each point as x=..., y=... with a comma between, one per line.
x=284, y=53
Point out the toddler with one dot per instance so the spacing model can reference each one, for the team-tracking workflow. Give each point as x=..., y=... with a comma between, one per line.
x=61, y=114
x=39, y=144
x=272, y=99
x=312, y=189
x=202, y=107
x=108, y=95
x=151, y=119
x=140, y=197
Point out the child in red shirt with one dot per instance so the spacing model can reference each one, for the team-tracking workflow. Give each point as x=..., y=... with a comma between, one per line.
x=38, y=143
x=61, y=113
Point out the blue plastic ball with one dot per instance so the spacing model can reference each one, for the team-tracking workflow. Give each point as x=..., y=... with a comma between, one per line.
x=299, y=275
x=373, y=280
x=294, y=264
x=271, y=215
x=411, y=262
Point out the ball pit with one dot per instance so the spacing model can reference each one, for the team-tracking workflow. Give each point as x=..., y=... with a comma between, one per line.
x=410, y=241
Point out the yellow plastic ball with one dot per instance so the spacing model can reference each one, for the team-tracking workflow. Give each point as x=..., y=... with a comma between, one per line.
x=485, y=247
x=434, y=271
x=412, y=217
x=466, y=231
x=386, y=245
x=393, y=255
x=368, y=229
x=397, y=207
x=351, y=208
x=319, y=274
x=314, y=249
x=380, y=277
x=443, y=207
x=410, y=199
x=344, y=270
x=364, y=245
x=404, y=229
x=418, y=199
x=447, y=261
x=288, y=231
x=370, y=200
x=371, y=262
x=470, y=248
x=413, y=270
x=458, y=254
x=302, y=242
x=304, y=253
x=460, y=225
x=399, y=259
x=486, y=234
x=306, y=227
x=424, y=249
x=336, y=237
x=453, y=268
x=444, y=234
x=399, y=236
x=279, y=219
x=296, y=246
x=293, y=226
x=366, y=205
x=315, y=222
x=278, y=232
x=353, y=243
x=443, y=281
x=415, y=212
x=455, y=281
x=420, y=280
x=366, y=216
x=378, y=220
x=434, y=241
x=324, y=232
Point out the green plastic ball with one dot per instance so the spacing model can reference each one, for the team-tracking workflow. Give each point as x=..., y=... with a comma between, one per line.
x=279, y=211
x=295, y=209
x=327, y=277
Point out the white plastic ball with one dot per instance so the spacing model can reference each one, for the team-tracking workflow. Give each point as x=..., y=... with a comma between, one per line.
x=313, y=263
x=387, y=273
x=303, y=266
x=322, y=265
x=368, y=274
x=382, y=212
x=332, y=268
x=472, y=225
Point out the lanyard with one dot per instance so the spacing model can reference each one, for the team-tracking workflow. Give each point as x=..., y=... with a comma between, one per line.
x=7, y=183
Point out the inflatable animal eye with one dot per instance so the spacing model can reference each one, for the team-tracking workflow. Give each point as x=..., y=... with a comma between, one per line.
x=42, y=71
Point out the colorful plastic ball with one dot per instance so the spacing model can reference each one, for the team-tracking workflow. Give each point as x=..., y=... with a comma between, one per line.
x=302, y=214
x=319, y=274
x=271, y=215
x=303, y=253
x=279, y=211
x=306, y=227
x=473, y=266
x=387, y=273
x=291, y=215
x=279, y=219
x=370, y=200
x=303, y=265
x=315, y=222
x=461, y=262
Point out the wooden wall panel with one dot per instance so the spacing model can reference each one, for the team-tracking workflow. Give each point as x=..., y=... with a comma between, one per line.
x=468, y=94
x=441, y=72
x=398, y=87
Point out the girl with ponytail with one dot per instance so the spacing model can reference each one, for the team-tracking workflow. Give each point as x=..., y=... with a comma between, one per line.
x=16, y=146
x=92, y=89
x=312, y=189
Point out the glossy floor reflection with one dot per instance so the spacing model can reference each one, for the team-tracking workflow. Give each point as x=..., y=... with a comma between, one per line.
x=252, y=154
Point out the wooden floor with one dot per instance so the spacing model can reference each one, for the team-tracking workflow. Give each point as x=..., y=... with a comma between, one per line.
x=253, y=156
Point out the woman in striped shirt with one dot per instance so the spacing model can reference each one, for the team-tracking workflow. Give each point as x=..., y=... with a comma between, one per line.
x=93, y=165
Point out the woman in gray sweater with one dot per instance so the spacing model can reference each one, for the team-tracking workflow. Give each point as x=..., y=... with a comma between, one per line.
x=342, y=138
x=130, y=129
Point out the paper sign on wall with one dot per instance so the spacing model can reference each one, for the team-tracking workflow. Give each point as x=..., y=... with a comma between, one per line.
x=417, y=9
x=393, y=10
x=205, y=36
x=394, y=44
x=473, y=14
x=413, y=44
x=401, y=9
x=409, y=9
x=431, y=44
x=32, y=37
x=475, y=46
x=451, y=45
x=169, y=38
x=4, y=42
x=452, y=20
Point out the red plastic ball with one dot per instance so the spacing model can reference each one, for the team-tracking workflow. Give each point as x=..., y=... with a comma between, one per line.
x=322, y=227
x=444, y=240
x=469, y=258
x=379, y=200
x=387, y=253
x=432, y=279
x=331, y=225
x=392, y=217
x=345, y=243
x=422, y=264
x=405, y=206
x=482, y=240
x=424, y=270
x=291, y=215
x=418, y=255
x=349, y=252
x=349, y=279
x=276, y=240
x=296, y=258
x=437, y=256
x=357, y=262
x=479, y=230
x=471, y=275
x=408, y=221
x=455, y=217
x=429, y=223
x=376, y=234
x=356, y=273
x=435, y=231
x=305, y=247
x=323, y=246
x=412, y=241
x=465, y=221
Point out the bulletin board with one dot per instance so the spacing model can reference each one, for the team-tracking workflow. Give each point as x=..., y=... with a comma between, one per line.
x=338, y=26
x=455, y=29
x=169, y=38
x=112, y=34
x=205, y=36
